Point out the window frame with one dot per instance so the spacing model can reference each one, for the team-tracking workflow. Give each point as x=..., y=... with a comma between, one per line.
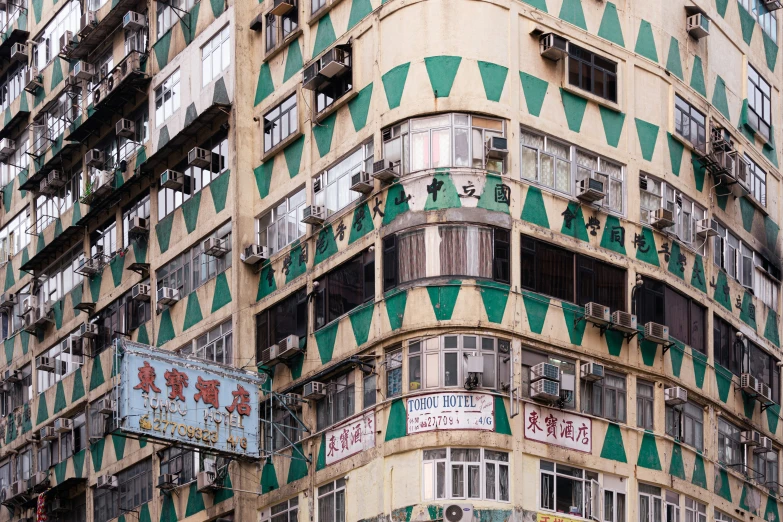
x=586, y=478
x=487, y=458
x=218, y=47
x=684, y=110
x=573, y=54
x=337, y=490
x=598, y=406
x=167, y=94
x=295, y=202
x=324, y=310
x=283, y=112
x=759, y=92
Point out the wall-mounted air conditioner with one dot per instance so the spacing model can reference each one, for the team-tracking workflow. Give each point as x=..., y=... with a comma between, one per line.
x=597, y=313
x=140, y=292
x=63, y=425
x=590, y=190
x=698, y=25
x=553, y=46
x=656, y=333
x=198, y=157
x=592, y=372
x=171, y=179
x=545, y=390
x=138, y=226
x=313, y=390
x=496, y=147
x=662, y=218
x=385, y=171
x=107, y=482
x=675, y=396
x=314, y=214
x=254, y=254
x=83, y=70
x=335, y=62
x=19, y=53
x=88, y=22
x=94, y=158
x=361, y=182
x=545, y=371
x=706, y=228
x=44, y=364
x=125, y=128
x=134, y=21
x=624, y=322
x=167, y=296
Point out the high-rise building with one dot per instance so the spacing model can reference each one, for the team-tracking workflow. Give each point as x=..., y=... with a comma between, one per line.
x=494, y=260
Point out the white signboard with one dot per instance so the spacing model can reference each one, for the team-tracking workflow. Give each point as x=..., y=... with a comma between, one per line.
x=558, y=428
x=351, y=438
x=451, y=411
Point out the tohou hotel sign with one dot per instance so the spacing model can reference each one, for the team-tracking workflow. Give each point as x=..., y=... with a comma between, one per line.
x=451, y=411
x=558, y=428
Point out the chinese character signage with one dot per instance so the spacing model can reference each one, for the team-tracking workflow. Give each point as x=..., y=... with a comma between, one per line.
x=351, y=438
x=558, y=428
x=549, y=517
x=184, y=400
x=451, y=411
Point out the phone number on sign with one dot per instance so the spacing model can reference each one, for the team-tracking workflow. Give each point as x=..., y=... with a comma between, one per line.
x=447, y=421
x=183, y=430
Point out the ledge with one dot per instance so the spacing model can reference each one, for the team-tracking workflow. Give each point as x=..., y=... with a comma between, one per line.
x=282, y=45
x=103, y=30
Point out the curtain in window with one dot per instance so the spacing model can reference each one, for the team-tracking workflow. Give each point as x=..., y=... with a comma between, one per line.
x=466, y=251
x=412, y=256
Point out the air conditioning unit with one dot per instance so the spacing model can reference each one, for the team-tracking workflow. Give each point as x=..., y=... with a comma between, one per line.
x=314, y=214
x=706, y=228
x=138, y=226
x=125, y=128
x=48, y=433
x=107, y=406
x=772, y=5
x=553, y=46
x=292, y=400
x=12, y=376
x=30, y=303
x=662, y=218
x=764, y=446
x=545, y=371
x=270, y=355
x=198, y=157
x=44, y=188
x=361, y=182
x=102, y=182
x=32, y=80
x=8, y=300
x=88, y=23
x=281, y=7
x=748, y=383
x=592, y=372
x=29, y=320
x=209, y=465
x=18, y=488
x=19, y=53
x=107, y=482
x=133, y=21
x=675, y=396
x=763, y=391
x=94, y=158
x=167, y=482
x=39, y=480
x=656, y=333
x=313, y=390
x=167, y=296
x=215, y=247
x=44, y=364
x=335, y=62
x=66, y=44
x=90, y=267
x=624, y=322
x=140, y=292
x=750, y=438
x=7, y=148
x=74, y=346
x=172, y=179
x=89, y=330
x=254, y=254
x=83, y=70
x=205, y=481
x=597, y=313
x=497, y=147
x=385, y=171
x=56, y=179
x=698, y=25
x=63, y=425
x=545, y=390
x=590, y=190
x=288, y=347
x=58, y=505
x=311, y=79
x=458, y=513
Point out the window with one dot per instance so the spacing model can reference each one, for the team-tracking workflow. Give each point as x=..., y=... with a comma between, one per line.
x=730, y=450
x=655, y=194
x=206, y=267
x=446, y=250
x=24, y=463
x=271, y=32
x=14, y=236
x=346, y=287
x=566, y=489
x=49, y=125
x=561, y=274
x=548, y=162
x=196, y=178
x=103, y=240
x=282, y=225
x=749, y=268
x=139, y=208
x=723, y=517
x=287, y=511
x=614, y=499
x=316, y=5
x=12, y=84
x=763, y=366
x=645, y=402
x=757, y=181
x=338, y=404
x=567, y=369
x=726, y=350
x=369, y=386
x=338, y=86
x=170, y=12
x=650, y=503
x=100, y=425
x=592, y=73
x=606, y=398
x=5, y=473
x=442, y=361
x=686, y=424
x=331, y=500
x=690, y=123
x=17, y=162
x=759, y=103
x=685, y=317
x=213, y=346
x=473, y=473
x=183, y=463
x=120, y=317
x=64, y=364
x=50, y=207
x=128, y=146
x=672, y=507
x=394, y=373
x=280, y=122
x=135, y=489
x=167, y=98
x=765, y=466
x=47, y=46
x=442, y=140
x=332, y=188
x=284, y=318
x=286, y=428
x=695, y=511
x=22, y=391
x=216, y=55
x=65, y=445
x=290, y=22
x=60, y=277
x=766, y=281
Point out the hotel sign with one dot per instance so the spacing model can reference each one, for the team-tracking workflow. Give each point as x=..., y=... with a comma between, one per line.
x=182, y=400
x=558, y=428
x=351, y=438
x=451, y=411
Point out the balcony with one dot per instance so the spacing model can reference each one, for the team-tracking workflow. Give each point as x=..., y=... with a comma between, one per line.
x=18, y=112
x=49, y=148
x=52, y=237
x=726, y=165
x=14, y=31
x=121, y=85
x=109, y=16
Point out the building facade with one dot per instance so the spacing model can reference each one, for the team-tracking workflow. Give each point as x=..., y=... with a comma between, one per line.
x=406, y=217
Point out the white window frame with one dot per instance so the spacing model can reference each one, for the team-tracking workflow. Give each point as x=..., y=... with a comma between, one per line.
x=757, y=181
x=335, y=181
x=285, y=112
x=284, y=213
x=433, y=465
x=47, y=46
x=687, y=213
x=759, y=103
x=589, y=480
x=216, y=55
x=289, y=511
x=222, y=334
x=167, y=98
x=652, y=499
x=338, y=486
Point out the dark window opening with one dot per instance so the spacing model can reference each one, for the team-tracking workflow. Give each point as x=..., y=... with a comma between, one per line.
x=345, y=288
x=592, y=73
x=288, y=317
x=659, y=303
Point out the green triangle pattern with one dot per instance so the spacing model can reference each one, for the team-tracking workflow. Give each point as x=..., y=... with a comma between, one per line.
x=394, y=84
x=325, y=338
x=442, y=70
x=323, y=133
x=720, y=294
x=613, y=448
x=610, y=28
x=747, y=23
x=59, y=398
x=265, y=86
x=699, y=477
x=493, y=76
x=293, y=60
x=168, y=512
x=577, y=230
x=536, y=308
x=574, y=107
x=534, y=210
x=396, y=427
x=263, y=175
x=161, y=48
x=118, y=441
x=293, y=160
x=723, y=379
x=699, y=367
x=196, y=501
x=502, y=425
x=675, y=153
x=396, y=204
x=773, y=416
x=648, y=136
x=614, y=342
x=298, y=469
x=677, y=465
x=321, y=463
x=771, y=328
x=359, y=107
x=269, y=477
x=193, y=314
x=328, y=245
x=222, y=293
x=166, y=328
x=722, y=487
x=495, y=297
x=571, y=12
x=218, y=189
x=361, y=224
x=745, y=315
x=673, y=61
x=43, y=410
x=190, y=210
x=535, y=91
x=443, y=299
x=645, y=42
x=78, y=386
x=493, y=184
x=648, y=453
x=361, y=320
x=576, y=330
x=719, y=99
x=359, y=10
x=676, y=354
x=96, y=374
x=324, y=36
x=610, y=225
x=770, y=51
x=395, y=308
x=163, y=232
x=447, y=197
x=613, y=122
x=649, y=352
x=697, y=77
x=674, y=267
x=96, y=454
x=698, y=279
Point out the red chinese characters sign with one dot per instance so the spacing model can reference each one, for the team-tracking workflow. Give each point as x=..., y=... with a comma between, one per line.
x=350, y=438
x=558, y=428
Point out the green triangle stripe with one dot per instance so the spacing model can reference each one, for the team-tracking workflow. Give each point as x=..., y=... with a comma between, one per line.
x=59, y=398
x=676, y=354
x=190, y=210
x=395, y=308
x=444, y=299
x=396, y=204
x=613, y=123
x=325, y=338
x=168, y=511
x=361, y=223
x=263, y=175
x=673, y=61
x=675, y=153
x=722, y=486
x=78, y=386
x=645, y=42
x=770, y=51
x=298, y=469
x=699, y=477
x=495, y=297
x=574, y=107
x=269, y=476
x=649, y=352
x=612, y=227
x=96, y=374
x=536, y=308
x=43, y=410
x=442, y=70
x=96, y=454
x=165, y=329
x=359, y=10
x=677, y=465
x=328, y=245
x=697, y=77
x=293, y=60
x=493, y=184
x=324, y=36
x=196, y=501
x=502, y=425
x=721, y=295
x=648, y=453
x=648, y=136
x=571, y=12
x=534, y=89
x=613, y=448
x=321, y=462
x=218, y=189
x=163, y=232
x=447, y=197
x=610, y=28
x=773, y=416
x=719, y=99
x=674, y=266
x=161, y=48
x=493, y=76
x=193, y=314
x=394, y=84
x=359, y=107
x=265, y=86
x=534, y=209
x=771, y=328
x=745, y=312
x=222, y=293
x=576, y=330
x=361, y=320
x=747, y=23
x=614, y=342
x=323, y=133
x=118, y=441
x=723, y=378
x=577, y=228
x=78, y=463
x=396, y=427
